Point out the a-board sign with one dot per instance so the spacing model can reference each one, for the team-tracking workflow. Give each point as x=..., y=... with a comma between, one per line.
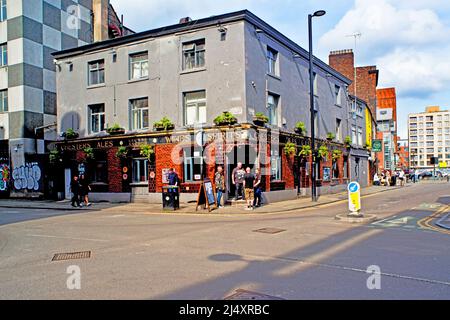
x=206, y=195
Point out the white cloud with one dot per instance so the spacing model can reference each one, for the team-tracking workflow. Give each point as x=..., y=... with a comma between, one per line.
x=409, y=44
x=416, y=73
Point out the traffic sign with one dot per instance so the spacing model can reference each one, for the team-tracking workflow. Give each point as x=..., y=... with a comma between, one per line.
x=377, y=145
x=354, y=197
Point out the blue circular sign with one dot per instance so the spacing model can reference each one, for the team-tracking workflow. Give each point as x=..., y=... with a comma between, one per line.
x=353, y=187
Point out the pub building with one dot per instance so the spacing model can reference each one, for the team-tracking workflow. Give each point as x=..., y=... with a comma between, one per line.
x=129, y=109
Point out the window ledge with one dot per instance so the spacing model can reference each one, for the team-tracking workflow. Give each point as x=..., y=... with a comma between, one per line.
x=99, y=184
x=138, y=80
x=95, y=86
x=193, y=70
x=4, y=67
x=274, y=76
x=139, y=184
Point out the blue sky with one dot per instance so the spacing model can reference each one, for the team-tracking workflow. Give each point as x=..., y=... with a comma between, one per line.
x=409, y=40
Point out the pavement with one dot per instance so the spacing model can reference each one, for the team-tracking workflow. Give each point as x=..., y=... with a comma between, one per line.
x=285, y=206
x=300, y=254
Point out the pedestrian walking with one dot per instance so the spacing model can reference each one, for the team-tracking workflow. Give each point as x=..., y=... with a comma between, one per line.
x=84, y=191
x=416, y=176
x=237, y=177
x=75, y=189
x=219, y=180
x=249, y=184
x=401, y=178
x=257, y=189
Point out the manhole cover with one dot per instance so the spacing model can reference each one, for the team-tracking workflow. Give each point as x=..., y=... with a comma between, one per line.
x=71, y=256
x=269, y=230
x=241, y=294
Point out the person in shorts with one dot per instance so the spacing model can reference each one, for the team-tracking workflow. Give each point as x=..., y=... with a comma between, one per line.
x=249, y=184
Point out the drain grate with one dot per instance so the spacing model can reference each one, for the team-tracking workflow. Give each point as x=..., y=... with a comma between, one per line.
x=241, y=294
x=71, y=256
x=270, y=230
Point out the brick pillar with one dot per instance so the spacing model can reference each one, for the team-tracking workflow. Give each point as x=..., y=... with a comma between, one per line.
x=114, y=171
x=163, y=159
x=288, y=171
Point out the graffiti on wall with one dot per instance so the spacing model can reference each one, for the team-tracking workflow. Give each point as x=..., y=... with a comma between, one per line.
x=4, y=177
x=27, y=177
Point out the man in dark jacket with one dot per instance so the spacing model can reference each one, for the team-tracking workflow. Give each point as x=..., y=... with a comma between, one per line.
x=75, y=189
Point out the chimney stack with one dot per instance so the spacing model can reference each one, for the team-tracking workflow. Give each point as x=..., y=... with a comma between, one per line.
x=100, y=9
x=344, y=62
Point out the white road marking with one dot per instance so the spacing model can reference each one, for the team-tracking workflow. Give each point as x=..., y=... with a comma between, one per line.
x=69, y=238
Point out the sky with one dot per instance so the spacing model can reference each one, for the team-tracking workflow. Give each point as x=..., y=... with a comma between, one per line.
x=408, y=40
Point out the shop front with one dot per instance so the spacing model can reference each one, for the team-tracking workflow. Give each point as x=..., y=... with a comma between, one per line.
x=134, y=168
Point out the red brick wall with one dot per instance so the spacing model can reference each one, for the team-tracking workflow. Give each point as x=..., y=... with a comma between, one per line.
x=163, y=158
x=367, y=86
x=114, y=171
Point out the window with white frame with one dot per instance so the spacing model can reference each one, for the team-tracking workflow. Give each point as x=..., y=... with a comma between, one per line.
x=338, y=130
x=3, y=10
x=195, y=108
x=139, y=114
x=138, y=66
x=275, y=166
x=360, y=136
x=272, y=61
x=96, y=72
x=3, y=100
x=354, y=137
x=3, y=55
x=337, y=94
x=140, y=170
x=272, y=106
x=194, y=55
x=192, y=164
x=97, y=118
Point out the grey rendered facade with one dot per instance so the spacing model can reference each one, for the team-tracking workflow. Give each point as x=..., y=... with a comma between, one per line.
x=234, y=77
x=31, y=32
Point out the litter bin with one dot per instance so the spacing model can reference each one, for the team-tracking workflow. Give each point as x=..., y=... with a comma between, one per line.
x=171, y=198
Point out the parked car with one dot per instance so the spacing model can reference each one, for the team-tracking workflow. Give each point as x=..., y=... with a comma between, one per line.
x=425, y=174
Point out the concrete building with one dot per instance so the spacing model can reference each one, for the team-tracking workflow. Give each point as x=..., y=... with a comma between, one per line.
x=387, y=128
x=402, y=154
x=191, y=72
x=429, y=136
x=30, y=31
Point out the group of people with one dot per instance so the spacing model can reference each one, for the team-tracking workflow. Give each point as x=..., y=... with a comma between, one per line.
x=385, y=178
x=247, y=186
x=80, y=191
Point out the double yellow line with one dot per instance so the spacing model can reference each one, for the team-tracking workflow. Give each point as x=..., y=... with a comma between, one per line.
x=425, y=223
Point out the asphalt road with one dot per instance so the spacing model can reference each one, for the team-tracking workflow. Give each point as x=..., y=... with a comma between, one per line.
x=154, y=256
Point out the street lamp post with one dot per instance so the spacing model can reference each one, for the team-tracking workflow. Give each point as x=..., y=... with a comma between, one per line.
x=311, y=97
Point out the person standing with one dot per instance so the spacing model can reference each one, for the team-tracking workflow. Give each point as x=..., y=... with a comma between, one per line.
x=219, y=181
x=249, y=184
x=173, y=179
x=237, y=178
x=84, y=191
x=75, y=189
x=258, y=192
